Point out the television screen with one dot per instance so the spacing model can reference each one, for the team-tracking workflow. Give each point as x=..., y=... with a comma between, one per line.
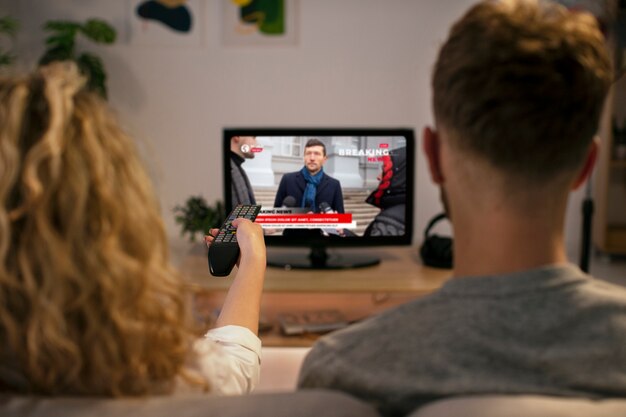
x=324, y=187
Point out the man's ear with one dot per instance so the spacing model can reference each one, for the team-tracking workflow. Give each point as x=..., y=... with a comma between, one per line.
x=431, y=147
x=590, y=162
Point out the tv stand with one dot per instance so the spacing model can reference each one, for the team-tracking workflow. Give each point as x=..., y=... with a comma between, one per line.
x=357, y=293
x=319, y=258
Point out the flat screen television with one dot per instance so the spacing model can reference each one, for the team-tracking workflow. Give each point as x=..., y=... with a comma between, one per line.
x=323, y=187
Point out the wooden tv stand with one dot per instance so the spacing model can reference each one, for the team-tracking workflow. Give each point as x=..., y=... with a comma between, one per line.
x=357, y=293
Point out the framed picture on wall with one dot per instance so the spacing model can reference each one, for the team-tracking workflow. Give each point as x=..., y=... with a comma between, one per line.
x=259, y=22
x=176, y=23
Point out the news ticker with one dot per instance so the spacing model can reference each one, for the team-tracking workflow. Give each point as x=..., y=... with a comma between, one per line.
x=286, y=219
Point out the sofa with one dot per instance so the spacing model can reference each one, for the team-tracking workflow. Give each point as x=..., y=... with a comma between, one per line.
x=307, y=403
x=313, y=403
x=522, y=406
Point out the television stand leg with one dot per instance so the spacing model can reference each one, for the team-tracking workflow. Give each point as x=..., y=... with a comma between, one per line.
x=319, y=258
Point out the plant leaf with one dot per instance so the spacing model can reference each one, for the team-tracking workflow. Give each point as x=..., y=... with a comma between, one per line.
x=63, y=29
x=93, y=68
x=55, y=54
x=99, y=31
x=61, y=26
x=6, y=59
x=60, y=41
x=9, y=25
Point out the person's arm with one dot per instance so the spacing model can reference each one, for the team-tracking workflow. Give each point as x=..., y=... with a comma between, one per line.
x=243, y=301
x=229, y=358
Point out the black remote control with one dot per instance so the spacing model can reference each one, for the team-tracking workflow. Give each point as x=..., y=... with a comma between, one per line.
x=224, y=251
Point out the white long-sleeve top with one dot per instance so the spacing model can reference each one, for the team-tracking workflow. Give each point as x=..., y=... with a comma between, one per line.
x=229, y=358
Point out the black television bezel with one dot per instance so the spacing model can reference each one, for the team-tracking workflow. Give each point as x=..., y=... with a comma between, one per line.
x=280, y=241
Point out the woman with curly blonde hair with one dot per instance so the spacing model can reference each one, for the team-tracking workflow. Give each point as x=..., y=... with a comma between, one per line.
x=89, y=304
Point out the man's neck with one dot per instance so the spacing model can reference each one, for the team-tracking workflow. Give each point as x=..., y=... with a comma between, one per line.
x=496, y=243
x=238, y=159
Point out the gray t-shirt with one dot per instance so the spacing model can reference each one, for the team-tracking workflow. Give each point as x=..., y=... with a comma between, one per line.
x=552, y=330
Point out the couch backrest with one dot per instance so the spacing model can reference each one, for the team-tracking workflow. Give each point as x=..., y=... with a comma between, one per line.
x=308, y=403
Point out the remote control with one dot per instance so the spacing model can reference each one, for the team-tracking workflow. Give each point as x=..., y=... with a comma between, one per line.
x=224, y=251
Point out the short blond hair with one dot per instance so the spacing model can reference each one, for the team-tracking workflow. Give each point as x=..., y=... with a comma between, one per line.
x=521, y=84
x=88, y=302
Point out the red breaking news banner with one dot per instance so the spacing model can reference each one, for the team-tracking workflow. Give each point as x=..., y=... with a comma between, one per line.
x=316, y=219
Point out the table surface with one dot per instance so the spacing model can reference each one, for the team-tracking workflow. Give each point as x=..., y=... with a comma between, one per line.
x=400, y=270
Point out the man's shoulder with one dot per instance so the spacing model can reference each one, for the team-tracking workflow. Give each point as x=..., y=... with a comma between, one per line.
x=606, y=290
x=389, y=323
x=344, y=357
x=290, y=177
x=331, y=180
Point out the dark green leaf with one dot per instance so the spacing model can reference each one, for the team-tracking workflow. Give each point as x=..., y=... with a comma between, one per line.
x=62, y=26
x=93, y=68
x=60, y=41
x=6, y=59
x=9, y=25
x=55, y=54
x=99, y=31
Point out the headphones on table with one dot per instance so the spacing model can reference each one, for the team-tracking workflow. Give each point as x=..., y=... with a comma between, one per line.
x=436, y=251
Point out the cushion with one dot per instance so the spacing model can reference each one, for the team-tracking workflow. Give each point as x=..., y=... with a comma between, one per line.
x=307, y=403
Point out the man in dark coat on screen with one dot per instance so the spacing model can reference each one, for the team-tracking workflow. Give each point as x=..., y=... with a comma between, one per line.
x=310, y=187
x=241, y=148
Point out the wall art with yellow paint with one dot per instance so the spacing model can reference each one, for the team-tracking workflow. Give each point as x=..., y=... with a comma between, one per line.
x=259, y=22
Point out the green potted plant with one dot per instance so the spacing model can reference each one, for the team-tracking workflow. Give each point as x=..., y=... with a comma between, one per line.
x=196, y=216
x=61, y=46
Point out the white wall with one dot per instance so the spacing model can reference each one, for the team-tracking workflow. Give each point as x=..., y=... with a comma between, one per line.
x=358, y=63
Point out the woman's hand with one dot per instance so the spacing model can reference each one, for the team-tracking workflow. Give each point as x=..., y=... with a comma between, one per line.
x=249, y=238
x=208, y=239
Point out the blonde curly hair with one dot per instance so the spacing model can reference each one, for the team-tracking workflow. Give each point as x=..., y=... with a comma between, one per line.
x=89, y=304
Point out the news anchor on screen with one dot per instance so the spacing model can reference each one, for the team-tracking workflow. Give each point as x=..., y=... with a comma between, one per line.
x=310, y=187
